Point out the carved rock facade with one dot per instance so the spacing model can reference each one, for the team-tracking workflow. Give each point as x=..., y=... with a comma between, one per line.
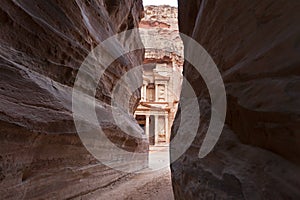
x=162, y=72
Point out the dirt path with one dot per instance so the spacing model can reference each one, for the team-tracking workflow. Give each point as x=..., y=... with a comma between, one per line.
x=157, y=188
x=150, y=185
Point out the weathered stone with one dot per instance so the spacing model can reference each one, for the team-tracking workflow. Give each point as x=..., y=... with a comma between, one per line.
x=162, y=72
x=255, y=45
x=42, y=46
x=163, y=22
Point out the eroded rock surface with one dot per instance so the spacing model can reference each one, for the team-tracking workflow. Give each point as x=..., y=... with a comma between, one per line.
x=163, y=22
x=42, y=46
x=255, y=45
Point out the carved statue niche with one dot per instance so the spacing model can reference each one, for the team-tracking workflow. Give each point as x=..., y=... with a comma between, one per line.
x=162, y=92
x=150, y=92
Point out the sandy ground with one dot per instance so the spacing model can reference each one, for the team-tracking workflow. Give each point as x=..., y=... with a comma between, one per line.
x=158, y=188
x=153, y=183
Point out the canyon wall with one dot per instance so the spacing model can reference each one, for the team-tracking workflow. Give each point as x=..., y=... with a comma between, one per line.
x=163, y=21
x=42, y=45
x=255, y=45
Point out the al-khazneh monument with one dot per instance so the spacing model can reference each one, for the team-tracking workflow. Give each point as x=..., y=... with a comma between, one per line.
x=162, y=75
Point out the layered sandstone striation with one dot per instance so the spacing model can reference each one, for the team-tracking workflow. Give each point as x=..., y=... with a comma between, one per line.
x=255, y=45
x=42, y=46
x=162, y=21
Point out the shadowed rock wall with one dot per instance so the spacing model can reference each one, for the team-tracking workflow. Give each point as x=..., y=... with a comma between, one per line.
x=42, y=45
x=255, y=45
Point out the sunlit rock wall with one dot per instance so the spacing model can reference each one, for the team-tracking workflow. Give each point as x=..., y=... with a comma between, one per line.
x=42, y=45
x=255, y=45
x=162, y=21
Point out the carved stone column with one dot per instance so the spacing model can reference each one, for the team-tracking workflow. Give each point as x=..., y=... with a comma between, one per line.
x=147, y=126
x=156, y=92
x=156, y=129
x=167, y=128
x=144, y=93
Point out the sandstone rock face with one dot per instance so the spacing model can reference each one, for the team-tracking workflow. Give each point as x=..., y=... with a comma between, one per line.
x=255, y=45
x=42, y=46
x=163, y=21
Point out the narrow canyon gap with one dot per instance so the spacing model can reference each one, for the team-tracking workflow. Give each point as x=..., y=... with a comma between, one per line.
x=255, y=44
